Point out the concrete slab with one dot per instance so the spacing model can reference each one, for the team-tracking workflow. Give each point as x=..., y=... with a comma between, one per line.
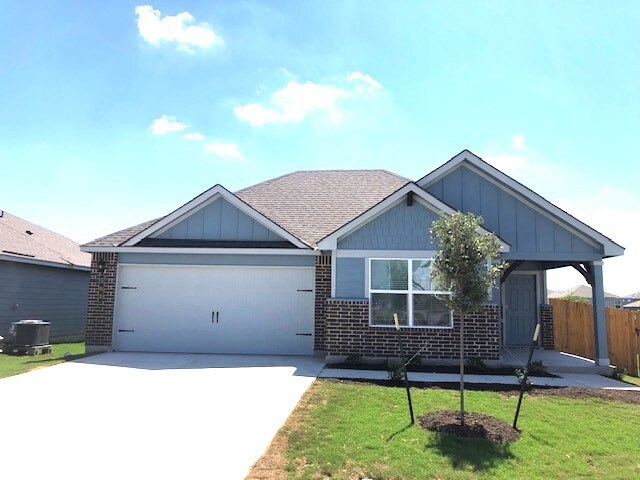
x=136, y=415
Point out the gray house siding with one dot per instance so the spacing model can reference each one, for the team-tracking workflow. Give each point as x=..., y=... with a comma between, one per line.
x=399, y=228
x=219, y=221
x=218, y=259
x=531, y=234
x=56, y=295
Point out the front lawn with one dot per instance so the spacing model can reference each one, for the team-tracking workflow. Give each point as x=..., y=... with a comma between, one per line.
x=15, y=364
x=343, y=430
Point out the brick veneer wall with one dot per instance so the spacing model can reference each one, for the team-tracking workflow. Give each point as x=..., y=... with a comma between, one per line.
x=102, y=288
x=546, y=326
x=322, y=292
x=347, y=332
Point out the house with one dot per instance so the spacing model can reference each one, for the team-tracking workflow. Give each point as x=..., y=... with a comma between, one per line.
x=43, y=276
x=318, y=261
x=632, y=305
x=582, y=291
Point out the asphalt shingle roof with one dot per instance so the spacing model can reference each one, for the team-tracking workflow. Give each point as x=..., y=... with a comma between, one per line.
x=309, y=204
x=40, y=244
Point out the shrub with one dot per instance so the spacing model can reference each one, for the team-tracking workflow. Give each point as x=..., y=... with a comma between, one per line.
x=521, y=380
x=476, y=364
x=536, y=367
x=395, y=371
x=618, y=373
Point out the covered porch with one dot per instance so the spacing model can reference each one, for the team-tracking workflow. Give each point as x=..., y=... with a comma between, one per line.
x=523, y=298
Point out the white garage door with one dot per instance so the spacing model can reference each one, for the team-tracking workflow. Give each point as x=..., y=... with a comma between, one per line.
x=203, y=309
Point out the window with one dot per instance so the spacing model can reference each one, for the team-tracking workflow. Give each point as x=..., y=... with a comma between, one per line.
x=404, y=287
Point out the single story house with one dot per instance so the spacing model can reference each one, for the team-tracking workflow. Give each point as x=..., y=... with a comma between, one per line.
x=318, y=261
x=632, y=305
x=43, y=276
x=611, y=300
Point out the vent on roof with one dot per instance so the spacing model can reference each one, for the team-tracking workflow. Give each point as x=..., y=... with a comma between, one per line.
x=18, y=253
x=29, y=232
x=1, y=213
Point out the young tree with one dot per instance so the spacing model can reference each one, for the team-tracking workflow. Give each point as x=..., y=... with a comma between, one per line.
x=464, y=267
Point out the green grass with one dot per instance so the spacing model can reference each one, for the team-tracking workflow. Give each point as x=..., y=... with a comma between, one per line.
x=630, y=379
x=15, y=364
x=350, y=431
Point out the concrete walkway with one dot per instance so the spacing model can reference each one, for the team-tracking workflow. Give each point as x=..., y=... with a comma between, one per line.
x=580, y=380
x=156, y=416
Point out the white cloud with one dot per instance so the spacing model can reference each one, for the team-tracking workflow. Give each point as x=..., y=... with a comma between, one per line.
x=293, y=103
x=517, y=142
x=296, y=101
x=363, y=81
x=195, y=136
x=155, y=29
x=506, y=163
x=166, y=124
x=224, y=150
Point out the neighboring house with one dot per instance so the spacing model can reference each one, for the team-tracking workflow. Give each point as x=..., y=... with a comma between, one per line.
x=43, y=276
x=633, y=305
x=318, y=261
x=582, y=291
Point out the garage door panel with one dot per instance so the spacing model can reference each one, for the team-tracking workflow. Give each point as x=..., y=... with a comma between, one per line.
x=260, y=309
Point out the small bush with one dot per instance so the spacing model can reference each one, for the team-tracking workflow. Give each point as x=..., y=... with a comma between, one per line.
x=476, y=364
x=536, y=367
x=353, y=359
x=395, y=371
x=521, y=380
x=618, y=373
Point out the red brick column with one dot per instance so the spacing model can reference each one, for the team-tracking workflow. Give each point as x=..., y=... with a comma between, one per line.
x=546, y=326
x=348, y=333
x=102, y=288
x=322, y=291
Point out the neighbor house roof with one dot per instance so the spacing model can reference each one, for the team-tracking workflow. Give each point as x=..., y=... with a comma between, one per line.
x=308, y=204
x=23, y=241
x=635, y=304
x=579, y=291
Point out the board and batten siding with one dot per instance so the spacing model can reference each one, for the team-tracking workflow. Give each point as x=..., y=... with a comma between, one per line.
x=530, y=234
x=217, y=259
x=219, y=221
x=34, y=292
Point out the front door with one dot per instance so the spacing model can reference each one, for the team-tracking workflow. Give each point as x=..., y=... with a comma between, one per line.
x=521, y=308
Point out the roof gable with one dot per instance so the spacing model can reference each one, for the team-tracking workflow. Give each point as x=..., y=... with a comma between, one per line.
x=545, y=227
x=234, y=221
x=427, y=200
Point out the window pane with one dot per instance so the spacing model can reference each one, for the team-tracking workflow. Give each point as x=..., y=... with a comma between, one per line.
x=384, y=305
x=421, y=275
x=428, y=311
x=389, y=274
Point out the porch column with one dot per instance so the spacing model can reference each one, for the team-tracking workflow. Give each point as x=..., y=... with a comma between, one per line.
x=599, y=317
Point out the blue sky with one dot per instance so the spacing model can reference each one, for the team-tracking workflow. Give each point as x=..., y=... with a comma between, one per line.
x=96, y=97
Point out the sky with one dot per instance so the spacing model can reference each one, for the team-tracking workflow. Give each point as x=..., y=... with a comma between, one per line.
x=114, y=113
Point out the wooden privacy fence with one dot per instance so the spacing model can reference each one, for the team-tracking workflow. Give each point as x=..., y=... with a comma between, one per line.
x=573, y=332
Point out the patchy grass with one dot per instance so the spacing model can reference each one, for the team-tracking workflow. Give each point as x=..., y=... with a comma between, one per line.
x=347, y=431
x=633, y=380
x=15, y=364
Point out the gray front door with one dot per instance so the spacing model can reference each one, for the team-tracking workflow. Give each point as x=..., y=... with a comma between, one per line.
x=521, y=308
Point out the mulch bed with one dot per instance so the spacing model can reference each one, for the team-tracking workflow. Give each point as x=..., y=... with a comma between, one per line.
x=476, y=425
x=380, y=366
x=626, y=396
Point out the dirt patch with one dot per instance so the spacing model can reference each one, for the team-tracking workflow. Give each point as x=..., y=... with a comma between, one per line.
x=626, y=396
x=477, y=425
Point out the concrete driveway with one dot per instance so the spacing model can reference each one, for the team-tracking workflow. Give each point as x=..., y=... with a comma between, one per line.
x=137, y=415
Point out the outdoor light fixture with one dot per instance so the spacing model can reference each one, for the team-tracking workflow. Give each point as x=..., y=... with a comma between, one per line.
x=102, y=266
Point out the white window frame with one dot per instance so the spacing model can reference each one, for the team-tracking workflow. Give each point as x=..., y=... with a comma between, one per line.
x=409, y=292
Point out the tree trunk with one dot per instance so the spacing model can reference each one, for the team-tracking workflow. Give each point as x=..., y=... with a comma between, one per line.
x=462, y=370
